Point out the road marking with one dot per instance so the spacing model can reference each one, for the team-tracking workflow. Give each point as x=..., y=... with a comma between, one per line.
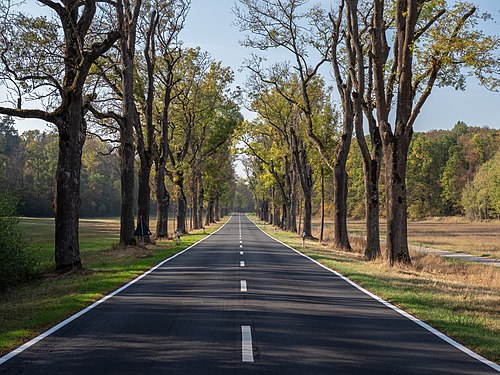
x=242, y=263
x=246, y=344
x=57, y=327
x=241, y=252
x=243, y=285
x=434, y=331
x=241, y=246
x=241, y=241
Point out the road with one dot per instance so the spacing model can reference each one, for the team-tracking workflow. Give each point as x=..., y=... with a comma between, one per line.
x=242, y=303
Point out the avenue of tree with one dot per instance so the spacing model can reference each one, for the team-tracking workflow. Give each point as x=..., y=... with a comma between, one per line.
x=142, y=124
x=117, y=72
x=385, y=58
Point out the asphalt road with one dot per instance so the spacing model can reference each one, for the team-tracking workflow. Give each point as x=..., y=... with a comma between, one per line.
x=192, y=315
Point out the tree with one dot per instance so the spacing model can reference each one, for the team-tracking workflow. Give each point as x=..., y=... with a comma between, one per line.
x=10, y=160
x=431, y=42
x=37, y=63
x=360, y=99
x=163, y=22
x=170, y=23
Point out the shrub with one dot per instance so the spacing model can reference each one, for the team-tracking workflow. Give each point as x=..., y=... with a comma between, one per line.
x=16, y=264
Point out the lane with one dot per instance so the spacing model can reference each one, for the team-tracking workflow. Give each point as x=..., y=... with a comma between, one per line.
x=306, y=320
x=205, y=313
x=180, y=319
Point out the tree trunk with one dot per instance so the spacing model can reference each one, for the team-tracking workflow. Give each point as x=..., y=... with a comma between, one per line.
x=130, y=120
x=194, y=210
x=395, y=190
x=127, y=156
x=200, y=201
x=322, y=225
x=71, y=140
x=307, y=187
x=341, y=238
x=181, y=211
x=162, y=201
x=293, y=203
x=208, y=216
x=216, y=212
x=372, y=203
x=144, y=195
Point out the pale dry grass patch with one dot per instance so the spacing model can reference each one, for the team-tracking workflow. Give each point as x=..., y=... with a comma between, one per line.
x=444, y=233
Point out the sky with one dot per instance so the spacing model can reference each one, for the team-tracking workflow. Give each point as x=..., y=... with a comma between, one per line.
x=210, y=25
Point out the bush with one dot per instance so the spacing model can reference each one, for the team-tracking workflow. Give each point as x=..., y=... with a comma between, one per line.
x=16, y=264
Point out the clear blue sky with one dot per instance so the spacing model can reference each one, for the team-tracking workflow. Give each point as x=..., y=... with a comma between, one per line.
x=210, y=26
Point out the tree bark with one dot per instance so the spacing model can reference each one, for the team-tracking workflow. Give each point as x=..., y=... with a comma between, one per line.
x=181, y=211
x=200, y=201
x=144, y=195
x=372, y=203
x=127, y=186
x=194, y=211
x=162, y=201
x=322, y=225
x=395, y=191
x=216, y=208
x=341, y=238
x=71, y=140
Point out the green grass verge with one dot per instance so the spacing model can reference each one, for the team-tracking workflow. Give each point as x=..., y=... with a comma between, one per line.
x=467, y=313
x=29, y=309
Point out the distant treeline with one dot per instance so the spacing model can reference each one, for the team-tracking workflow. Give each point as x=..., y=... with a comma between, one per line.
x=28, y=165
x=450, y=172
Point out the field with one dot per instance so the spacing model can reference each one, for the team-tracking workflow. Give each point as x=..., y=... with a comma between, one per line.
x=454, y=234
x=460, y=299
x=29, y=309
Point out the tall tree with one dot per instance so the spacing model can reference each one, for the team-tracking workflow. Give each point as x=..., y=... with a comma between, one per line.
x=361, y=97
x=431, y=42
x=171, y=21
x=36, y=62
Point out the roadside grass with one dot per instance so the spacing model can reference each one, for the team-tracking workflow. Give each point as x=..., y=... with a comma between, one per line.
x=446, y=233
x=458, y=298
x=29, y=309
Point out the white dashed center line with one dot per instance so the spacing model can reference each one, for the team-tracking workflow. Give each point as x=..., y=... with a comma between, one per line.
x=241, y=252
x=243, y=285
x=242, y=264
x=246, y=344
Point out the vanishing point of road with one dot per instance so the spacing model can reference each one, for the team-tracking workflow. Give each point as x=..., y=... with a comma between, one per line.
x=241, y=303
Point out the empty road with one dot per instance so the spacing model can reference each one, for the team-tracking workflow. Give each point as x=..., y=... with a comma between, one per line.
x=242, y=303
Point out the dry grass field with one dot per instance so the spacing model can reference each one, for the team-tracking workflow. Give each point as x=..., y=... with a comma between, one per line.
x=453, y=233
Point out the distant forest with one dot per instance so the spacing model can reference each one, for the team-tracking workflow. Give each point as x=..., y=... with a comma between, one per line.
x=450, y=172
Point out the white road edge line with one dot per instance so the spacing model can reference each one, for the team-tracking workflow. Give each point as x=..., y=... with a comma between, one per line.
x=246, y=344
x=243, y=286
x=434, y=331
x=242, y=263
x=50, y=331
